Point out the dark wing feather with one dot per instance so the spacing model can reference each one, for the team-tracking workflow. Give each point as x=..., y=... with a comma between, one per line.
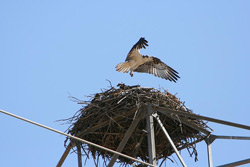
x=159, y=69
x=142, y=43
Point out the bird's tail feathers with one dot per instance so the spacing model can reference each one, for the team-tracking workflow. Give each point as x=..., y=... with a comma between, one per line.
x=123, y=67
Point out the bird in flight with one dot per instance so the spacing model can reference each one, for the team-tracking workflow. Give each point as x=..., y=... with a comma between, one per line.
x=136, y=62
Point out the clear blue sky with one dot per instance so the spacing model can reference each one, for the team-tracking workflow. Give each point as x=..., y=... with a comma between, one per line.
x=49, y=49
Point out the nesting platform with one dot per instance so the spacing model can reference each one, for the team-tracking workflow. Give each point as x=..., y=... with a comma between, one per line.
x=107, y=116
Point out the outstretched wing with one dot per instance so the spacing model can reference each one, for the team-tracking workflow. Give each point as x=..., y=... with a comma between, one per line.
x=135, y=51
x=159, y=69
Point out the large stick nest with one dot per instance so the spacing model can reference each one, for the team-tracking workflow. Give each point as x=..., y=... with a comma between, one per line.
x=105, y=118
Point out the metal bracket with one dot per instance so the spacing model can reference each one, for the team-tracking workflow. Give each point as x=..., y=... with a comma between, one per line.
x=151, y=136
x=209, y=140
x=156, y=116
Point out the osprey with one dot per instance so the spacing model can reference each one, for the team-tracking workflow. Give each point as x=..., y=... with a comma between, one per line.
x=136, y=62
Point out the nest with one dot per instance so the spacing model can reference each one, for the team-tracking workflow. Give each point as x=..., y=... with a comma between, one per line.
x=105, y=118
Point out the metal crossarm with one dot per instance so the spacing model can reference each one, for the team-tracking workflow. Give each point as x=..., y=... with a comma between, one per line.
x=156, y=116
x=242, y=162
x=191, y=115
x=232, y=137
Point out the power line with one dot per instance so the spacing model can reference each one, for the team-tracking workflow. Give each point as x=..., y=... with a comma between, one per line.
x=73, y=137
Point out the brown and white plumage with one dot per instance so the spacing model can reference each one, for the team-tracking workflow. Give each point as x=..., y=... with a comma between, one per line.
x=145, y=64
